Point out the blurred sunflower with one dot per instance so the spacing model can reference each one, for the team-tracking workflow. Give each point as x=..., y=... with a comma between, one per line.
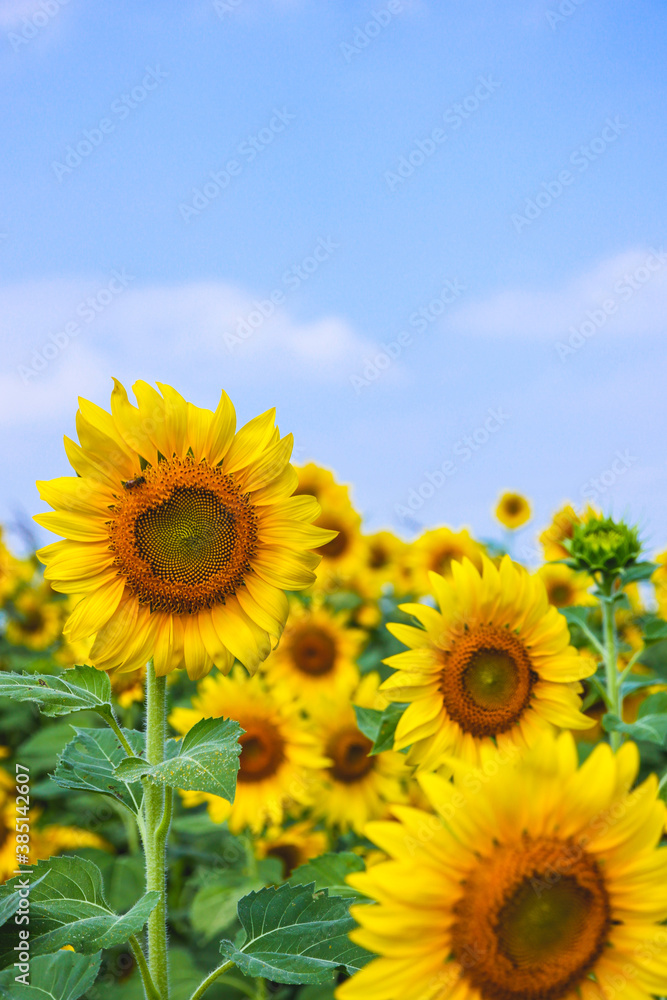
x=435, y=551
x=565, y=587
x=549, y=885
x=356, y=787
x=561, y=528
x=380, y=563
x=659, y=580
x=293, y=846
x=181, y=534
x=342, y=552
x=280, y=759
x=12, y=570
x=512, y=510
x=316, y=654
x=36, y=620
x=493, y=664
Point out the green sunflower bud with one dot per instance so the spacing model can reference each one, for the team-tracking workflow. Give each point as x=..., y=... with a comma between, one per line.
x=603, y=545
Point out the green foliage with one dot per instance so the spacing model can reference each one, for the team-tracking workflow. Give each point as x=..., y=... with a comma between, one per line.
x=76, y=689
x=651, y=724
x=63, y=976
x=294, y=934
x=379, y=726
x=205, y=760
x=89, y=763
x=67, y=906
x=329, y=871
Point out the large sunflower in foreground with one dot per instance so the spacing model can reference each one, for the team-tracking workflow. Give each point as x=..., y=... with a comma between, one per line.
x=180, y=533
x=494, y=664
x=280, y=760
x=545, y=885
x=356, y=787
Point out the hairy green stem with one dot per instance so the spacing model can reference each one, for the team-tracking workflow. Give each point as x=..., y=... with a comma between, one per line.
x=157, y=814
x=203, y=986
x=610, y=638
x=144, y=971
x=110, y=720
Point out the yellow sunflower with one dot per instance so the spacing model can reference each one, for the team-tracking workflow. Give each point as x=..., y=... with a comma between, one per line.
x=280, y=759
x=435, y=551
x=181, y=534
x=493, y=664
x=341, y=553
x=381, y=561
x=37, y=619
x=513, y=510
x=564, y=586
x=659, y=580
x=561, y=528
x=356, y=787
x=293, y=846
x=316, y=654
x=12, y=570
x=549, y=885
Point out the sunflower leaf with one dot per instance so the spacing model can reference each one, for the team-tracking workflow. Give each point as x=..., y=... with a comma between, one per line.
x=88, y=763
x=655, y=631
x=294, y=934
x=640, y=571
x=63, y=976
x=329, y=871
x=205, y=760
x=385, y=736
x=67, y=906
x=651, y=728
x=368, y=721
x=60, y=694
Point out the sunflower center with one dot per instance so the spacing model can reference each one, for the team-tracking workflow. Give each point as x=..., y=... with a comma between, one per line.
x=560, y=594
x=313, y=652
x=289, y=856
x=377, y=557
x=262, y=752
x=183, y=536
x=33, y=621
x=532, y=921
x=336, y=546
x=349, y=751
x=513, y=506
x=442, y=560
x=487, y=680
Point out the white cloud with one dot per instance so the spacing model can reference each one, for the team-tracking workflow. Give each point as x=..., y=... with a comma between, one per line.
x=638, y=294
x=61, y=339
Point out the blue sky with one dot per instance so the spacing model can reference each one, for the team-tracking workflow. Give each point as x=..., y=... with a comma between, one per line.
x=407, y=224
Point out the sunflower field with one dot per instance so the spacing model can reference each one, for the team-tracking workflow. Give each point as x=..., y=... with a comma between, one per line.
x=250, y=749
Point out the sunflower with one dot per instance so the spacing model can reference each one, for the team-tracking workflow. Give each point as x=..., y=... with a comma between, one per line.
x=493, y=664
x=12, y=570
x=435, y=551
x=549, y=885
x=356, y=787
x=381, y=559
x=342, y=552
x=564, y=586
x=316, y=654
x=181, y=534
x=36, y=621
x=512, y=510
x=280, y=760
x=293, y=846
x=659, y=580
x=561, y=528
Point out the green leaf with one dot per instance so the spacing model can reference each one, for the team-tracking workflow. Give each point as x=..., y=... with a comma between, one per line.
x=639, y=571
x=67, y=906
x=651, y=728
x=89, y=763
x=205, y=760
x=385, y=737
x=295, y=935
x=63, y=976
x=655, y=704
x=9, y=904
x=368, y=721
x=60, y=694
x=214, y=906
x=654, y=631
x=329, y=871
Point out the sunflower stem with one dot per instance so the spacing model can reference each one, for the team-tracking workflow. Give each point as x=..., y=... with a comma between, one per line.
x=204, y=985
x=614, y=693
x=157, y=814
x=149, y=986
